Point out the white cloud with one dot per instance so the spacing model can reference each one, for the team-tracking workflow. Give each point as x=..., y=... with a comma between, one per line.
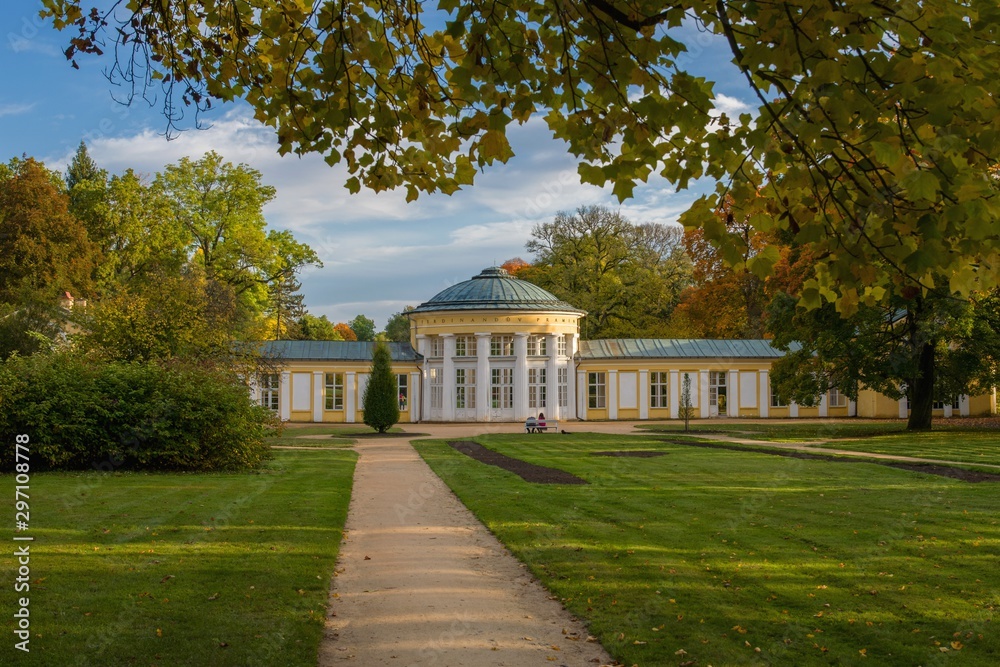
x=15, y=109
x=22, y=44
x=381, y=253
x=731, y=105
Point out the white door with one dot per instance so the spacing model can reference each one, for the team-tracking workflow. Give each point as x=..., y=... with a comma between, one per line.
x=716, y=393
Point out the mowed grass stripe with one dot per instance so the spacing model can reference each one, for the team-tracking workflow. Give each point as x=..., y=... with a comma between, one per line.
x=184, y=569
x=710, y=555
x=965, y=447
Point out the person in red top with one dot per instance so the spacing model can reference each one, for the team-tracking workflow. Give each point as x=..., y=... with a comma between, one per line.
x=540, y=424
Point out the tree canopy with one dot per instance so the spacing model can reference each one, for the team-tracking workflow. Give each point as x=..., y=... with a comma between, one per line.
x=627, y=277
x=873, y=138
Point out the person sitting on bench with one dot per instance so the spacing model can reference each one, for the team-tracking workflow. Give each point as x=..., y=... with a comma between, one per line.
x=540, y=424
x=529, y=425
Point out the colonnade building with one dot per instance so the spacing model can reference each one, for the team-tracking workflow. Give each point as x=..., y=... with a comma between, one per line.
x=499, y=349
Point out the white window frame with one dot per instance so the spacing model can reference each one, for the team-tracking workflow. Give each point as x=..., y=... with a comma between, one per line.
x=562, y=345
x=403, y=390
x=597, y=394
x=437, y=346
x=465, y=346
x=776, y=400
x=501, y=346
x=562, y=376
x=435, y=381
x=270, y=391
x=465, y=388
x=836, y=399
x=537, y=346
x=659, y=381
x=502, y=388
x=940, y=405
x=333, y=391
x=537, y=398
x=717, y=380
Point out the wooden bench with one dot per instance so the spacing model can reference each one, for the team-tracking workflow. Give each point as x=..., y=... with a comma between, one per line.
x=550, y=425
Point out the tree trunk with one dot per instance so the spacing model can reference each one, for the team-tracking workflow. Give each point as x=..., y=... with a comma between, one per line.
x=922, y=391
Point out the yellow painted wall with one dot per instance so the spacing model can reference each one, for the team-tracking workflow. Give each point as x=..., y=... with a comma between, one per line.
x=344, y=367
x=498, y=322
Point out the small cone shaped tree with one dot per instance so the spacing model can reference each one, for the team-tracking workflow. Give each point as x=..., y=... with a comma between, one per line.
x=381, y=403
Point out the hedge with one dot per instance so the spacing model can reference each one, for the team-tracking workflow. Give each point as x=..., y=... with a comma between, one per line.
x=85, y=414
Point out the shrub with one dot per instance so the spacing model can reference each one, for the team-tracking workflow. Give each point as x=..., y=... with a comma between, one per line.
x=84, y=414
x=381, y=402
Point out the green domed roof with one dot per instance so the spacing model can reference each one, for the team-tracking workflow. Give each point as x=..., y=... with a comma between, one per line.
x=495, y=289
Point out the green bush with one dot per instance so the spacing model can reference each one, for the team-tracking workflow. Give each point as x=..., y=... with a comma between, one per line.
x=381, y=400
x=84, y=414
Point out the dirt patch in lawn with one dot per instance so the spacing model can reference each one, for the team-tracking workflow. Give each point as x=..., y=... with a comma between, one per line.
x=927, y=468
x=529, y=472
x=634, y=453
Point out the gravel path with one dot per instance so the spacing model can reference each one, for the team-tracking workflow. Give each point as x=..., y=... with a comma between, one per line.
x=421, y=582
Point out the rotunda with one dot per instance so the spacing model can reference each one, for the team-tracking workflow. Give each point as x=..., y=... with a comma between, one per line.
x=496, y=348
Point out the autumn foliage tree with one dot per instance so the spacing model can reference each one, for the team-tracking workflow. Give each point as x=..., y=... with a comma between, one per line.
x=874, y=131
x=344, y=330
x=626, y=276
x=45, y=249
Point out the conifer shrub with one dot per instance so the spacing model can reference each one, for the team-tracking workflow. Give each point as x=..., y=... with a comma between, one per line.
x=381, y=402
x=83, y=414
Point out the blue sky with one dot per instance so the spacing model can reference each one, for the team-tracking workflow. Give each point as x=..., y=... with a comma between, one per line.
x=380, y=253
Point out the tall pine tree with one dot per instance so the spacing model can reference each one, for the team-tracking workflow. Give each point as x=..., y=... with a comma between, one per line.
x=381, y=402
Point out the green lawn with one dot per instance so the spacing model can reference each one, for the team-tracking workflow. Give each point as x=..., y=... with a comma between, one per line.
x=182, y=569
x=740, y=558
x=982, y=447
x=340, y=435
x=785, y=430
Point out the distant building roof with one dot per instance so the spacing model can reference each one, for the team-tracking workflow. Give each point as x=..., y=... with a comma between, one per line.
x=674, y=348
x=495, y=289
x=334, y=350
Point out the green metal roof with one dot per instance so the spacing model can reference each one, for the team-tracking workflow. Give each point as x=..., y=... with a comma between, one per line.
x=334, y=350
x=495, y=289
x=677, y=348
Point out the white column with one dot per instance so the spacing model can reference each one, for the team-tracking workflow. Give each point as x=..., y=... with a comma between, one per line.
x=703, y=408
x=571, y=409
x=581, y=404
x=733, y=394
x=852, y=408
x=963, y=405
x=520, y=376
x=948, y=409
x=285, y=396
x=318, y=396
x=764, y=396
x=675, y=395
x=824, y=404
x=552, y=379
x=903, y=412
x=448, y=381
x=483, y=377
x=612, y=390
x=643, y=396
x=425, y=396
x=415, y=394
x=793, y=409
x=350, y=391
